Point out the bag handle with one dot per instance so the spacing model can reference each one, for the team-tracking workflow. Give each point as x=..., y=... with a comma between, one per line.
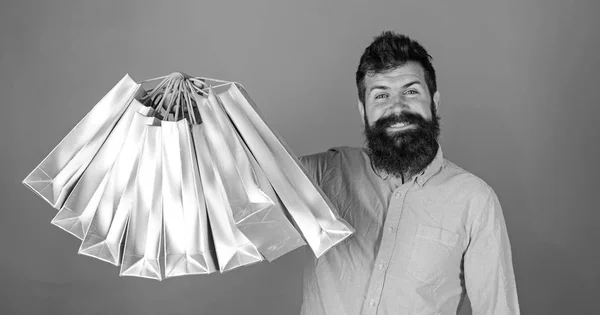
x=172, y=96
x=191, y=112
x=169, y=93
x=155, y=96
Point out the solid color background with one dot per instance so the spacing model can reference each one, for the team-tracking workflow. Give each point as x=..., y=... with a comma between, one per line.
x=519, y=108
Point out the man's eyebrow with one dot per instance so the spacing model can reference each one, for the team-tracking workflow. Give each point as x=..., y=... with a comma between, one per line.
x=411, y=83
x=378, y=87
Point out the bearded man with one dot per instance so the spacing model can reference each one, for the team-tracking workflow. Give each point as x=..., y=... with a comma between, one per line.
x=427, y=231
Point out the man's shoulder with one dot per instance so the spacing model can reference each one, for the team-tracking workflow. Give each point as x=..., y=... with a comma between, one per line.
x=333, y=161
x=465, y=181
x=334, y=155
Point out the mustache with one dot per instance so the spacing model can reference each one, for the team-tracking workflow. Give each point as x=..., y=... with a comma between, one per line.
x=406, y=117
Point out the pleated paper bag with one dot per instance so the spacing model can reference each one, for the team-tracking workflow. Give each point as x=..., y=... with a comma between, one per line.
x=306, y=203
x=144, y=231
x=259, y=216
x=58, y=173
x=233, y=248
x=103, y=239
x=187, y=241
x=79, y=209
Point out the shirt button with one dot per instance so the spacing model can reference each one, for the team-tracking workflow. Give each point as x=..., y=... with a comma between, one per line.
x=398, y=195
x=372, y=303
x=381, y=266
x=390, y=229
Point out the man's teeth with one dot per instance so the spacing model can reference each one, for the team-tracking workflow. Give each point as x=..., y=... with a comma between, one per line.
x=399, y=124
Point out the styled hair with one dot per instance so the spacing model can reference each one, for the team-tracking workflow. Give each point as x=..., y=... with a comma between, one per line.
x=389, y=51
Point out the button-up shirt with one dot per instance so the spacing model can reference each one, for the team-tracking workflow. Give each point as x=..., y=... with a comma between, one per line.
x=419, y=246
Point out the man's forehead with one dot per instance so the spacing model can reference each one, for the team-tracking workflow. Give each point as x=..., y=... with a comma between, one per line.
x=408, y=72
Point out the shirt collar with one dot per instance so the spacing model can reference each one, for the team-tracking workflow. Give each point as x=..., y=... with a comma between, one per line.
x=421, y=178
x=431, y=169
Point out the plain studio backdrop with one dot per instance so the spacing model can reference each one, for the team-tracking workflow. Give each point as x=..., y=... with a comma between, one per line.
x=519, y=107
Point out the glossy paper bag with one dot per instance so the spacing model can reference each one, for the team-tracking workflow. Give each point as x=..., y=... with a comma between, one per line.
x=233, y=248
x=263, y=221
x=144, y=229
x=58, y=173
x=188, y=245
x=103, y=239
x=78, y=210
x=313, y=213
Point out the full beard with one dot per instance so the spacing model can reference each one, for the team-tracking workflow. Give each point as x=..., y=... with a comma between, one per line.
x=403, y=153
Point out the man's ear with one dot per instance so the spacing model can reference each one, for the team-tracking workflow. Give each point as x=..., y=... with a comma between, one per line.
x=436, y=100
x=361, y=110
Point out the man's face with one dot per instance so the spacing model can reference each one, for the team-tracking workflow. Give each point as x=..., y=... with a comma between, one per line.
x=400, y=119
x=402, y=90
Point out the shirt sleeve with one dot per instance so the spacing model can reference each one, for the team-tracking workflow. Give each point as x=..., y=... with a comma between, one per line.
x=489, y=274
x=314, y=165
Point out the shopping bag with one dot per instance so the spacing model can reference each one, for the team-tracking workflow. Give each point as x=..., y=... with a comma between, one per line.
x=56, y=175
x=306, y=203
x=144, y=189
x=282, y=234
x=79, y=208
x=187, y=241
x=103, y=238
x=233, y=249
x=263, y=221
x=144, y=229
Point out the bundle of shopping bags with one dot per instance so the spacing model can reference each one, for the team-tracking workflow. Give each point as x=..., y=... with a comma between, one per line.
x=182, y=177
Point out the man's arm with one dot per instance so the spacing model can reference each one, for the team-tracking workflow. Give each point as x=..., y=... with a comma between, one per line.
x=488, y=265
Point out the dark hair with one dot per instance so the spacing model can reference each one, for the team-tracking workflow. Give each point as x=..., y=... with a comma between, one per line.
x=391, y=50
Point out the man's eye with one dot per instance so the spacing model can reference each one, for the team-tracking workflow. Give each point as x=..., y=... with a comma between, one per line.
x=411, y=92
x=380, y=96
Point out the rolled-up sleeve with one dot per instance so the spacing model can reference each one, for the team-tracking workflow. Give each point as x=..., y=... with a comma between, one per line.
x=488, y=267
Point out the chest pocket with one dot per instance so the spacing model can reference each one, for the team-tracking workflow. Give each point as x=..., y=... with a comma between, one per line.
x=430, y=252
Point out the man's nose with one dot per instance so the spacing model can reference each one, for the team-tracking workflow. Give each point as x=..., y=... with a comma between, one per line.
x=398, y=105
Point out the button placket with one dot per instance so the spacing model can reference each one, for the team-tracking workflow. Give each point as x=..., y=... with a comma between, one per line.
x=388, y=242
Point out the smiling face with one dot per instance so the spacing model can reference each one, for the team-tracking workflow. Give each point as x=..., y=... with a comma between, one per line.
x=401, y=123
x=401, y=90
